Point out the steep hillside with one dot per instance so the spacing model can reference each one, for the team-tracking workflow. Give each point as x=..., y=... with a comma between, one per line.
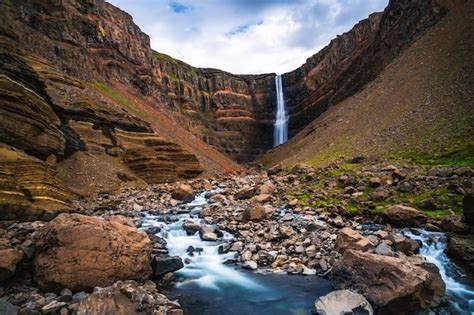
x=420, y=107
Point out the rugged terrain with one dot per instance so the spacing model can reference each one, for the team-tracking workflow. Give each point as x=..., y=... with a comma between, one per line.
x=100, y=133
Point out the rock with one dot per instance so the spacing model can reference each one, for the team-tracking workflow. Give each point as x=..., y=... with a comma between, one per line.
x=399, y=174
x=391, y=285
x=275, y=169
x=66, y=295
x=245, y=193
x=342, y=302
x=165, y=264
x=380, y=194
x=127, y=297
x=137, y=207
x=358, y=159
x=403, y=216
x=183, y=192
x=52, y=307
x=262, y=198
x=404, y=244
x=7, y=308
x=267, y=188
x=79, y=252
x=191, y=227
x=254, y=213
x=383, y=249
x=8, y=260
x=236, y=247
x=310, y=251
x=250, y=264
x=468, y=208
x=208, y=233
x=461, y=247
x=347, y=238
x=375, y=182
x=286, y=231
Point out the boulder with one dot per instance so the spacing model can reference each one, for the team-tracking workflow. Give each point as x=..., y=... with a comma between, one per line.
x=267, y=188
x=403, y=216
x=80, y=252
x=126, y=298
x=254, y=213
x=208, y=233
x=8, y=259
x=468, y=208
x=347, y=238
x=262, y=198
x=191, y=227
x=342, y=302
x=165, y=264
x=183, y=192
x=461, y=247
x=392, y=285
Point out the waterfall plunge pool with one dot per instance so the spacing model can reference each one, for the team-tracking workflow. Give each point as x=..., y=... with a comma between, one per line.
x=207, y=285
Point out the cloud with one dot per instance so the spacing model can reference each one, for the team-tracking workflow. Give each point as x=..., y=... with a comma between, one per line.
x=246, y=36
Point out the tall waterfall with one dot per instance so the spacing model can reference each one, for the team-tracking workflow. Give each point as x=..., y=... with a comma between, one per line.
x=280, y=130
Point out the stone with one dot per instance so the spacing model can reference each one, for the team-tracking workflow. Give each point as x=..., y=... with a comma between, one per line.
x=267, y=188
x=342, y=302
x=208, y=233
x=375, y=182
x=8, y=308
x=191, y=227
x=383, y=249
x=399, y=174
x=236, y=246
x=250, y=264
x=183, y=192
x=79, y=252
x=137, y=207
x=310, y=251
x=468, y=208
x=245, y=193
x=348, y=238
x=262, y=198
x=403, y=216
x=52, y=307
x=9, y=258
x=358, y=159
x=254, y=213
x=380, y=194
x=125, y=298
x=404, y=244
x=461, y=248
x=392, y=285
x=165, y=264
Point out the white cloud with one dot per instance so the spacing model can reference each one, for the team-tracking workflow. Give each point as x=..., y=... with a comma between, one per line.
x=246, y=36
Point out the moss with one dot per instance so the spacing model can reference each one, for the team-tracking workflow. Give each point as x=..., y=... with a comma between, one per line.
x=168, y=58
x=116, y=96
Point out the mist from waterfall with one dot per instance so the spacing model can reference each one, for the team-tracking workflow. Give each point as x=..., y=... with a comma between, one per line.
x=280, y=131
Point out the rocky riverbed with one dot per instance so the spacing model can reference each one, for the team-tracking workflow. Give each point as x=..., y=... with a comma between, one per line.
x=348, y=223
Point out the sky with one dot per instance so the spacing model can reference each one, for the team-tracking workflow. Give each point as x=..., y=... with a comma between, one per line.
x=246, y=36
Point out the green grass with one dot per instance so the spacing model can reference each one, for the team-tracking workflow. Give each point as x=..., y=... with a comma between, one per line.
x=167, y=58
x=116, y=96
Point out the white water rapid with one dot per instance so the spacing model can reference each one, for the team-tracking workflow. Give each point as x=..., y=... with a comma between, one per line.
x=461, y=295
x=280, y=130
x=205, y=269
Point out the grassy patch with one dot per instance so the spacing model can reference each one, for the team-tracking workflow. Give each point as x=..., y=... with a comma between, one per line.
x=168, y=58
x=117, y=97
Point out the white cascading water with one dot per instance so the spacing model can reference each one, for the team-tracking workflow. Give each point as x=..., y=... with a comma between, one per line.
x=280, y=131
x=461, y=295
x=206, y=269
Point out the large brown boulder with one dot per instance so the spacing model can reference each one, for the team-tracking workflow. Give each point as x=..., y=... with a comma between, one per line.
x=127, y=298
x=403, y=216
x=8, y=259
x=468, y=208
x=80, y=252
x=392, y=285
x=347, y=238
x=183, y=192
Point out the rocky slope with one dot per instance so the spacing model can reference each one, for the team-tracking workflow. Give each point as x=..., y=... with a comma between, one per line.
x=418, y=108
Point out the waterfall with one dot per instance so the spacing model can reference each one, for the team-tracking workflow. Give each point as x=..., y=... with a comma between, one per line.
x=280, y=131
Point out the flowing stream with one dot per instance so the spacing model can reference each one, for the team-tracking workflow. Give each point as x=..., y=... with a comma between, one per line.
x=458, y=290
x=207, y=285
x=280, y=131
